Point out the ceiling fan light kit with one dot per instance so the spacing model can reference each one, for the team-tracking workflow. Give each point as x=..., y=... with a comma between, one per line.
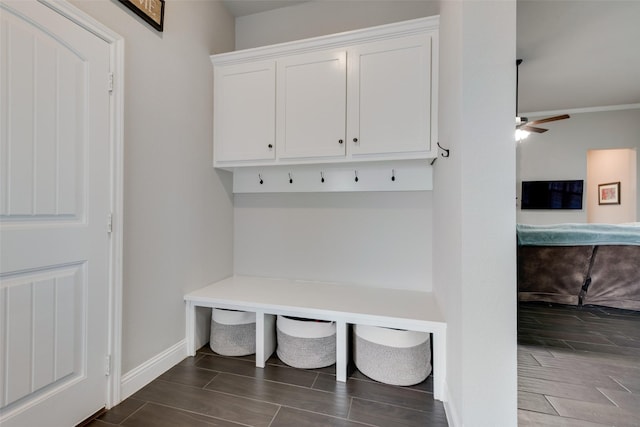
x=523, y=126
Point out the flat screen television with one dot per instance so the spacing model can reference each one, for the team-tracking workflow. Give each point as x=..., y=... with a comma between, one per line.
x=552, y=194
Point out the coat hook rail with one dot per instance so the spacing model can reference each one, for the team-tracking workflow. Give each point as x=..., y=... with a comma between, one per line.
x=445, y=150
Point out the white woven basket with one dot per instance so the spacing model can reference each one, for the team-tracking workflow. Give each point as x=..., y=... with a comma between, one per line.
x=306, y=344
x=233, y=333
x=392, y=356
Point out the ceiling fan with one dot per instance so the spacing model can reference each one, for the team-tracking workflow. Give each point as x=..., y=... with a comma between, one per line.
x=523, y=126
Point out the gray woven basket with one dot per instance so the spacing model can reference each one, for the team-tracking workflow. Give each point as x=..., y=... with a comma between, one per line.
x=230, y=339
x=305, y=352
x=390, y=364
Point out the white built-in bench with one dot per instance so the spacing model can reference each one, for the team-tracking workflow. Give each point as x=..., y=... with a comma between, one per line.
x=343, y=304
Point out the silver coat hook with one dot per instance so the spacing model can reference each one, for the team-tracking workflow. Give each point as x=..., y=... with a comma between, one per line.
x=393, y=174
x=321, y=176
x=260, y=178
x=356, y=172
x=290, y=178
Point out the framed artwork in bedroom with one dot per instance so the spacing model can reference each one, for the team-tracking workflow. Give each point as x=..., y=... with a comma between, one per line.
x=609, y=194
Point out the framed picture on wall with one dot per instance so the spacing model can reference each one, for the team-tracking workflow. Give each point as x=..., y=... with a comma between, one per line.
x=609, y=194
x=152, y=11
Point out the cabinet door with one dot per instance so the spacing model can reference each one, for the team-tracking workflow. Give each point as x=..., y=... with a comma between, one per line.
x=311, y=105
x=390, y=96
x=244, y=112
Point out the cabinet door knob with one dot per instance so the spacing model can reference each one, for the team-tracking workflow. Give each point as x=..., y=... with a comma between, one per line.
x=355, y=139
x=270, y=146
x=340, y=141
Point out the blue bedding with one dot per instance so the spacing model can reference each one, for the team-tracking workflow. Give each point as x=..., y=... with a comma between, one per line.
x=578, y=234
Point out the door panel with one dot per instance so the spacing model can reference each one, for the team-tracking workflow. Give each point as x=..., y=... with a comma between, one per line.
x=311, y=105
x=245, y=111
x=390, y=96
x=54, y=204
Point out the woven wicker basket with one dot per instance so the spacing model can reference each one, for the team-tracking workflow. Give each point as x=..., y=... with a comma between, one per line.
x=233, y=333
x=392, y=356
x=306, y=344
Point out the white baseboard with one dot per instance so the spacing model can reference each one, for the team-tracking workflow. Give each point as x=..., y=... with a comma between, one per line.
x=142, y=375
x=450, y=410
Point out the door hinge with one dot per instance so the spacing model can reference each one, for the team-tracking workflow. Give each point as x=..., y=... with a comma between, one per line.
x=110, y=82
x=110, y=223
x=107, y=367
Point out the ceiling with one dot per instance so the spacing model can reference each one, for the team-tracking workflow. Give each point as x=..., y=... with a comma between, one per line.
x=576, y=53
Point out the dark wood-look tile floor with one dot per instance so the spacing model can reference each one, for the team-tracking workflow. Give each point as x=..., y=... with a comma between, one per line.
x=578, y=366
x=213, y=390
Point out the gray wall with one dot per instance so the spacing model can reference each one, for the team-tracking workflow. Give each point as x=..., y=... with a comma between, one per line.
x=474, y=216
x=178, y=209
x=318, y=18
x=464, y=229
x=561, y=153
x=379, y=239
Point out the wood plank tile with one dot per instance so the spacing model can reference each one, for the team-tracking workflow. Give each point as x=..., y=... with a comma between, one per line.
x=602, y=367
x=281, y=374
x=384, y=393
x=291, y=417
x=119, y=413
x=623, y=399
x=425, y=386
x=282, y=394
x=274, y=360
x=569, y=376
x=207, y=402
x=604, y=348
x=188, y=375
x=384, y=415
x=534, y=402
x=153, y=415
x=549, y=387
x=596, y=358
x=566, y=335
x=629, y=382
x=537, y=419
x=98, y=423
x=190, y=361
x=595, y=412
x=527, y=359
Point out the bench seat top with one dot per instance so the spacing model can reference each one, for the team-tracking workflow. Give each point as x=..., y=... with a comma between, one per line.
x=394, y=308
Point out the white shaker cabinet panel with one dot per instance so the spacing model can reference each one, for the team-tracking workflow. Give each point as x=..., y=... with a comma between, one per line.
x=390, y=96
x=244, y=112
x=311, y=116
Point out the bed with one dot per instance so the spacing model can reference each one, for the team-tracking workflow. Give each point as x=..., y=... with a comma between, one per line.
x=578, y=264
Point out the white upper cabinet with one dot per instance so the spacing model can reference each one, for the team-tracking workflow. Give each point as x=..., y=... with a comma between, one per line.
x=311, y=117
x=389, y=103
x=365, y=95
x=245, y=112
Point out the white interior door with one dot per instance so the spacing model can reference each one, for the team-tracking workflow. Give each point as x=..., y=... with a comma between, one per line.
x=54, y=205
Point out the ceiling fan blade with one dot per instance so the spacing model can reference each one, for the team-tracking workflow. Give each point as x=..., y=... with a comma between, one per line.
x=532, y=129
x=549, y=119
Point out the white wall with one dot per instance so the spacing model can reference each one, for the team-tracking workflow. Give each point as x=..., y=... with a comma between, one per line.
x=178, y=210
x=561, y=153
x=608, y=166
x=378, y=239
x=474, y=216
x=317, y=18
